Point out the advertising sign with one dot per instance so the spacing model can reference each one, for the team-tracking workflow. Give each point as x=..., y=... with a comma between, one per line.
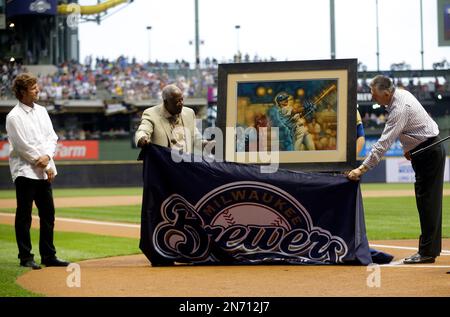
x=30, y=7
x=399, y=170
x=65, y=150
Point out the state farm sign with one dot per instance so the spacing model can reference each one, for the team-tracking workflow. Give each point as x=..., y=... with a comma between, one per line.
x=77, y=150
x=65, y=150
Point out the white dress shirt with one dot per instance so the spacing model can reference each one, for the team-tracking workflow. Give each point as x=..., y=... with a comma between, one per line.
x=408, y=121
x=30, y=135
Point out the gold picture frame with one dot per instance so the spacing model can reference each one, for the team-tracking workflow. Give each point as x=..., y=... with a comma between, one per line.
x=313, y=102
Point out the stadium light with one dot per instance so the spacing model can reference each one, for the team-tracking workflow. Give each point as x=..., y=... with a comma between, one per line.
x=378, y=37
x=237, y=27
x=421, y=32
x=197, y=36
x=149, y=28
x=332, y=31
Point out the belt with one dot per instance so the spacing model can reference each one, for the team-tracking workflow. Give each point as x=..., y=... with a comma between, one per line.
x=425, y=143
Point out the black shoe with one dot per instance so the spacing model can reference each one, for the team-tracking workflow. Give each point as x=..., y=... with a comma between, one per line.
x=417, y=258
x=30, y=263
x=55, y=262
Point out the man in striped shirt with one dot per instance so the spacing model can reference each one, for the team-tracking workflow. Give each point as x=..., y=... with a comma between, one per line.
x=415, y=129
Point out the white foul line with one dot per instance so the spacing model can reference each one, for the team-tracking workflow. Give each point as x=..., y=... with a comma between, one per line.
x=103, y=223
x=400, y=264
x=443, y=252
x=92, y=222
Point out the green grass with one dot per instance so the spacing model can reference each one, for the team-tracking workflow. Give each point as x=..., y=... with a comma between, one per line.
x=69, y=246
x=131, y=191
x=84, y=192
x=398, y=218
x=129, y=214
x=392, y=186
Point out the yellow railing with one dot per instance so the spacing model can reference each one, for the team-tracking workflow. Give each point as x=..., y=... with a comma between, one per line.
x=66, y=9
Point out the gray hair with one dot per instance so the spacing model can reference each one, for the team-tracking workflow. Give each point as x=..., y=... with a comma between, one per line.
x=169, y=90
x=381, y=83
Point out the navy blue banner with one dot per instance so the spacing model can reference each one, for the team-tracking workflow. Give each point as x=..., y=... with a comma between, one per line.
x=33, y=7
x=230, y=213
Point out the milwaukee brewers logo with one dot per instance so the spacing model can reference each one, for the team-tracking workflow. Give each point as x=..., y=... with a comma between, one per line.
x=245, y=222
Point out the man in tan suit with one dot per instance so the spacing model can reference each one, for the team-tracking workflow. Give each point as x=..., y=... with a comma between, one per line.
x=169, y=124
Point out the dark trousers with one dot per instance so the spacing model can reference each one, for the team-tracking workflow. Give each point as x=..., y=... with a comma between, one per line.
x=39, y=191
x=429, y=168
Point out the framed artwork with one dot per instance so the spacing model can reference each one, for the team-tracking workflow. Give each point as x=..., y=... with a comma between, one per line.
x=443, y=8
x=302, y=111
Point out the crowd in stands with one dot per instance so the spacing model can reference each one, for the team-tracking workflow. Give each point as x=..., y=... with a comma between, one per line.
x=81, y=134
x=120, y=78
x=123, y=78
x=415, y=86
x=71, y=81
x=8, y=71
x=377, y=118
x=136, y=81
x=238, y=58
x=373, y=120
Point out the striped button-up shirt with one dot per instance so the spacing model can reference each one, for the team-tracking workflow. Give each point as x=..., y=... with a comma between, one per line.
x=30, y=135
x=408, y=121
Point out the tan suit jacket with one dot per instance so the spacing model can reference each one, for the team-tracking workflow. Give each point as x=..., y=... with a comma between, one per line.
x=157, y=128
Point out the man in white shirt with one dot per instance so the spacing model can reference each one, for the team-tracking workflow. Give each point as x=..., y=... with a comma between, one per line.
x=32, y=147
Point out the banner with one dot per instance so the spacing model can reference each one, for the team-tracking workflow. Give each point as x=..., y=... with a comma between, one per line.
x=204, y=212
x=399, y=170
x=65, y=150
x=33, y=7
